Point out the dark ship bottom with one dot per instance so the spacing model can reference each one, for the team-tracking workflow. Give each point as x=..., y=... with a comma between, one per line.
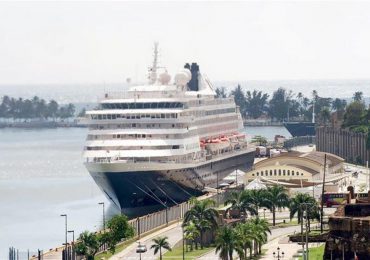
x=139, y=193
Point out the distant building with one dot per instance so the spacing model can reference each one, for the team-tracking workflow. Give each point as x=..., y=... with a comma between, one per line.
x=295, y=167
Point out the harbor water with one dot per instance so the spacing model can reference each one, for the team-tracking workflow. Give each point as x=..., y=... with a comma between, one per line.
x=42, y=176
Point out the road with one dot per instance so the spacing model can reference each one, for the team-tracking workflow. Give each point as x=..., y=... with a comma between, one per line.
x=173, y=232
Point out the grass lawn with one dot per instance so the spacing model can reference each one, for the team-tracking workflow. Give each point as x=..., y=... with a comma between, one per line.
x=119, y=248
x=315, y=253
x=176, y=253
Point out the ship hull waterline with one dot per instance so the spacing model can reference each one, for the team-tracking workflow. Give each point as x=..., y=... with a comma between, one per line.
x=137, y=193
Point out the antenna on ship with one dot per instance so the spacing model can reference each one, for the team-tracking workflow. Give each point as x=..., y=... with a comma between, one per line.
x=153, y=70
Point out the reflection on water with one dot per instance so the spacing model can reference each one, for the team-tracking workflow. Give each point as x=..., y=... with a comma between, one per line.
x=42, y=176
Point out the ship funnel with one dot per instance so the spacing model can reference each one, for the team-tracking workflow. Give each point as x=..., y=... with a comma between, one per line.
x=194, y=82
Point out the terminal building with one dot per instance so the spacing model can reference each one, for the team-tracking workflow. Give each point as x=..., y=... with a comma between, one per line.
x=295, y=168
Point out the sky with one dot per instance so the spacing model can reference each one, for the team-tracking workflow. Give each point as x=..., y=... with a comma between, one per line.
x=94, y=42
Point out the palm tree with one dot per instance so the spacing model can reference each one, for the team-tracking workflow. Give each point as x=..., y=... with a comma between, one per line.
x=159, y=243
x=240, y=202
x=260, y=228
x=296, y=203
x=245, y=236
x=256, y=199
x=227, y=243
x=191, y=234
x=357, y=96
x=277, y=198
x=203, y=215
x=87, y=245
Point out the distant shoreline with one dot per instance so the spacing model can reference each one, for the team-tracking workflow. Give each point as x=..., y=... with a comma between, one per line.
x=40, y=124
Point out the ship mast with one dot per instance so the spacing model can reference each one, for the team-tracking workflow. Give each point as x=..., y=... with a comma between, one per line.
x=153, y=70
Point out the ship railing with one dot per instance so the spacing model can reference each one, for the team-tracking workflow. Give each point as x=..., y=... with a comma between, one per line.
x=115, y=159
x=143, y=94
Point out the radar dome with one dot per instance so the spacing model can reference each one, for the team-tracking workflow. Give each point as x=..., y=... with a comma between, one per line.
x=183, y=77
x=164, y=78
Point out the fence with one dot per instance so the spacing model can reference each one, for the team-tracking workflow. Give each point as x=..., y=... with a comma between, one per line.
x=161, y=218
x=16, y=254
x=299, y=140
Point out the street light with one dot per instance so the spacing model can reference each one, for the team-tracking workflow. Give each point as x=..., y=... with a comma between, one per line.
x=183, y=243
x=264, y=213
x=102, y=203
x=278, y=255
x=73, y=243
x=65, y=215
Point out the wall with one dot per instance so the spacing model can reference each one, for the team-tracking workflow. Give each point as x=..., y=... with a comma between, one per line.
x=347, y=144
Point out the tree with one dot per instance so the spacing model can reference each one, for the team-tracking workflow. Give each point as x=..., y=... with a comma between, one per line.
x=119, y=229
x=245, y=236
x=191, y=234
x=357, y=96
x=277, y=198
x=339, y=104
x=240, y=99
x=227, y=243
x=82, y=113
x=260, y=230
x=325, y=114
x=282, y=104
x=239, y=201
x=88, y=245
x=203, y=215
x=256, y=199
x=221, y=92
x=261, y=140
x=52, y=109
x=295, y=206
x=256, y=103
x=159, y=243
x=354, y=114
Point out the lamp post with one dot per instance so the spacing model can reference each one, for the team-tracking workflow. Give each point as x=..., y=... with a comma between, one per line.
x=278, y=255
x=183, y=243
x=264, y=213
x=102, y=203
x=73, y=243
x=66, y=243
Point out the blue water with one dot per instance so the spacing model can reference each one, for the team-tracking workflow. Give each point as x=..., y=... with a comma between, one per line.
x=42, y=176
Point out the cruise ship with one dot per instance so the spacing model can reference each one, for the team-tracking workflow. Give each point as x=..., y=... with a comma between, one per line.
x=157, y=145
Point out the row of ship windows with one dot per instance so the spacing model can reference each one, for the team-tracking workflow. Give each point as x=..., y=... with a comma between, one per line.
x=157, y=147
x=154, y=147
x=140, y=105
x=135, y=125
x=220, y=111
x=278, y=173
x=133, y=116
x=138, y=136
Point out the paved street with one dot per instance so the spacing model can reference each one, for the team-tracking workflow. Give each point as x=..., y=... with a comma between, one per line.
x=173, y=232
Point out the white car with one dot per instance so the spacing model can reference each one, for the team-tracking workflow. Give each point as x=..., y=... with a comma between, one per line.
x=141, y=249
